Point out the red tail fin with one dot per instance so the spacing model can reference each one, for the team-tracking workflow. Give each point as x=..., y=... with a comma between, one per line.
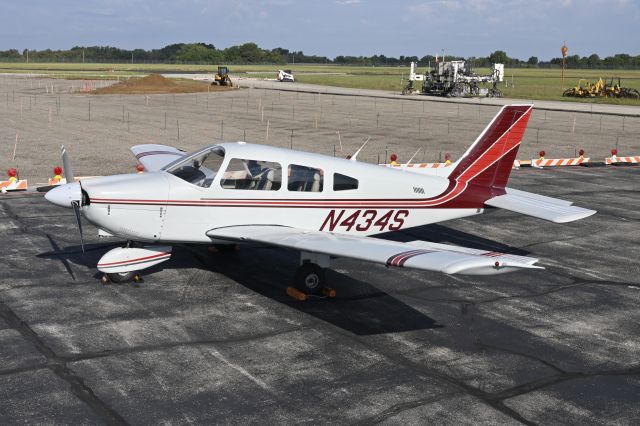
x=488, y=162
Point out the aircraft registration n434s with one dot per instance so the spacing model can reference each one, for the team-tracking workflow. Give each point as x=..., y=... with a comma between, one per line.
x=320, y=205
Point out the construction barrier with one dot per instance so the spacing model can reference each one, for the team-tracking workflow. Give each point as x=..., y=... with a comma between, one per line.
x=56, y=182
x=556, y=162
x=13, y=185
x=613, y=160
x=539, y=163
x=419, y=165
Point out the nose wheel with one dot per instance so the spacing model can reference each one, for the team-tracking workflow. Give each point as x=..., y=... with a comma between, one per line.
x=121, y=277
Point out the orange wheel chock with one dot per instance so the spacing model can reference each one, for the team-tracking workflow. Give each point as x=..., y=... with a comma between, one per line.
x=296, y=294
x=329, y=292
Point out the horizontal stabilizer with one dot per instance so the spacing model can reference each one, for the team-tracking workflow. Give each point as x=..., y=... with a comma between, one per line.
x=154, y=157
x=540, y=206
x=431, y=257
x=542, y=198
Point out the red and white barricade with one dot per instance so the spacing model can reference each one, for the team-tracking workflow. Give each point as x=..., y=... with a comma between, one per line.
x=614, y=159
x=420, y=165
x=13, y=185
x=556, y=162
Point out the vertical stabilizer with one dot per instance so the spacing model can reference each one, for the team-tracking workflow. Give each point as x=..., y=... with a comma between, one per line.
x=488, y=162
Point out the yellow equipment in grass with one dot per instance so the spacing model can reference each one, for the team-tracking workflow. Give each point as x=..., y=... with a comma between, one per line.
x=222, y=77
x=586, y=89
x=600, y=88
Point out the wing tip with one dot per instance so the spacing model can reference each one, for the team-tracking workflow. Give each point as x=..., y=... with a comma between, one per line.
x=583, y=214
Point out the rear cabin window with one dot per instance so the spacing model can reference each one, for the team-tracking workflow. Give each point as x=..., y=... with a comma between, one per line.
x=305, y=179
x=344, y=182
x=252, y=174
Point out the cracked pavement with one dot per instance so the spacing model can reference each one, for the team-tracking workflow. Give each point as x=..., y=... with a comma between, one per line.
x=212, y=338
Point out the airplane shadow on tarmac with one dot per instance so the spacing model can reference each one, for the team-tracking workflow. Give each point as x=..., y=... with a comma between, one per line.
x=359, y=307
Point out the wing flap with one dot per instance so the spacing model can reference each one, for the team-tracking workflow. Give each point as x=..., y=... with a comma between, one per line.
x=547, y=208
x=391, y=253
x=154, y=157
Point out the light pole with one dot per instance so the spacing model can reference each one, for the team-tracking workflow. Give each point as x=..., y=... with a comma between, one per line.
x=564, y=51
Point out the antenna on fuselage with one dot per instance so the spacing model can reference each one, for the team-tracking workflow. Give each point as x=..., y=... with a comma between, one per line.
x=409, y=162
x=355, y=156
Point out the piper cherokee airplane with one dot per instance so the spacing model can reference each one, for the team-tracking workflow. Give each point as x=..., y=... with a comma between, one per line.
x=323, y=206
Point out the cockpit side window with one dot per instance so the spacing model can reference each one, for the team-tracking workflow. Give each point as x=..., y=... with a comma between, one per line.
x=199, y=170
x=252, y=174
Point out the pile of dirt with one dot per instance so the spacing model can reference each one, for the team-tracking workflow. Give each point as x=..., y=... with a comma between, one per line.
x=155, y=83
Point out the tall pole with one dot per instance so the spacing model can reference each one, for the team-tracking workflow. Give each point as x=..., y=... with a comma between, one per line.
x=564, y=51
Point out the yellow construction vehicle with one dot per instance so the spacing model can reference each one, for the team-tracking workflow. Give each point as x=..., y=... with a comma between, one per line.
x=222, y=77
x=585, y=89
x=600, y=88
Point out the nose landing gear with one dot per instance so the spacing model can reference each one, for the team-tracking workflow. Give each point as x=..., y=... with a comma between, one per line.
x=122, y=277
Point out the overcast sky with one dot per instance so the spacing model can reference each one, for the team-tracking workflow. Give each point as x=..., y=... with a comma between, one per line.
x=522, y=28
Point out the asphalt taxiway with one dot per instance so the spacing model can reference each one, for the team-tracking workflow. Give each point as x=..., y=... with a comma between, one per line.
x=213, y=338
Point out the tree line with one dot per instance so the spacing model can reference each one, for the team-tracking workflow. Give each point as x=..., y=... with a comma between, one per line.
x=251, y=53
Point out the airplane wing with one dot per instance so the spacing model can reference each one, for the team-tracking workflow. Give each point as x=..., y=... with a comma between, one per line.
x=420, y=254
x=540, y=206
x=154, y=157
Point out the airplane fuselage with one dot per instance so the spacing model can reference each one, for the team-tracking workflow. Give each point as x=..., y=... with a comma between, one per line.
x=301, y=190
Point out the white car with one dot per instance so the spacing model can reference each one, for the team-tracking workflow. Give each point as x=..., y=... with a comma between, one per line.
x=285, y=75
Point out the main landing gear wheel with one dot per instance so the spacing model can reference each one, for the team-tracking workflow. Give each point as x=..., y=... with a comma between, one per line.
x=309, y=279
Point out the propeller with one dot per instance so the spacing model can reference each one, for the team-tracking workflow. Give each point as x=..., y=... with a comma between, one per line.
x=76, y=209
x=68, y=195
x=68, y=173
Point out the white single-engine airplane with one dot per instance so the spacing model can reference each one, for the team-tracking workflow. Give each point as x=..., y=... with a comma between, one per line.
x=320, y=205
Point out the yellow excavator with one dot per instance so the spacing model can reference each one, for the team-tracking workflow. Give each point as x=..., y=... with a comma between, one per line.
x=601, y=88
x=222, y=77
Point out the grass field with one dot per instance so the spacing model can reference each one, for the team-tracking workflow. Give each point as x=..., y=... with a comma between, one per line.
x=522, y=83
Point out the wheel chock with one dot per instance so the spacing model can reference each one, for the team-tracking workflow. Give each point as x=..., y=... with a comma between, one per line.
x=137, y=278
x=296, y=294
x=104, y=280
x=329, y=292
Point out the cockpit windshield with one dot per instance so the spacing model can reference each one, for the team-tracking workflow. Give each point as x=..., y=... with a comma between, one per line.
x=199, y=169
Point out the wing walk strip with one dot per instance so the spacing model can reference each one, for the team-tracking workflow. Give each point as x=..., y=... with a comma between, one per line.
x=134, y=261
